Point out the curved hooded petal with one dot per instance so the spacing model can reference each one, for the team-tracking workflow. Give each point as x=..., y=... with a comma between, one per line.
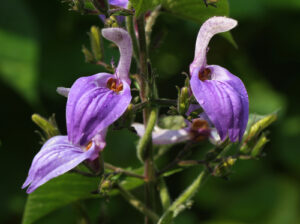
x=94, y=104
x=122, y=39
x=225, y=101
x=92, y=107
x=164, y=136
x=210, y=27
x=56, y=157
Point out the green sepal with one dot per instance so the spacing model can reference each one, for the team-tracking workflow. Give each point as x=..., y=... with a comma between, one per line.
x=96, y=43
x=48, y=126
x=258, y=147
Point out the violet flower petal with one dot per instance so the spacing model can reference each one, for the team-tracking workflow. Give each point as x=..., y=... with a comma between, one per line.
x=120, y=3
x=224, y=100
x=92, y=107
x=164, y=136
x=209, y=28
x=122, y=39
x=56, y=157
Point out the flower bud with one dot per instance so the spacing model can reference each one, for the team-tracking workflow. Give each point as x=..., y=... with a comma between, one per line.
x=261, y=125
x=183, y=100
x=48, y=126
x=223, y=169
x=96, y=43
x=88, y=56
x=257, y=149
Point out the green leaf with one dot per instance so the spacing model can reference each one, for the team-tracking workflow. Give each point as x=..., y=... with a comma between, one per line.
x=142, y=6
x=19, y=49
x=196, y=11
x=57, y=193
x=66, y=189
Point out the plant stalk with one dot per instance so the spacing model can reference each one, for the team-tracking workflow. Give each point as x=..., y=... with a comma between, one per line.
x=138, y=204
x=149, y=116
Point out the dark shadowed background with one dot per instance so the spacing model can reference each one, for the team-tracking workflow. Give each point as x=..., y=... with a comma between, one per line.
x=40, y=49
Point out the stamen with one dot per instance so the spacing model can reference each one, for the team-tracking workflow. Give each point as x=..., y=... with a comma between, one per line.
x=205, y=74
x=199, y=124
x=200, y=130
x=89, y=145
x=112, y=85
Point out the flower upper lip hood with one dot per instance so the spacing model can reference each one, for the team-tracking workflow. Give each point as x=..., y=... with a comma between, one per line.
x=221, y=94
x=96, y=101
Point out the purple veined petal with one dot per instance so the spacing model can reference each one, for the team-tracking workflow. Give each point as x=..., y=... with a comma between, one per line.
x=56, y=157
x=164, y=136
x=63, y=91
x=92, y=106
x=209, y=28
x=122, y=39
x=120, y=3
x=224, y=100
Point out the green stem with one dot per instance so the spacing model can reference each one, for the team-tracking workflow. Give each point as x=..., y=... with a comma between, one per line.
x=138, y=204
x=178, y=205
x=145, y=150
x=150, y=23
x=131, y=31
x=164, y=194
x=144, y=76
x=120, y=170
x=147, y=137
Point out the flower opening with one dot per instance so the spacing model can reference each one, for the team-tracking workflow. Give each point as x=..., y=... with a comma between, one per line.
x=114, y=85
x=205, y=74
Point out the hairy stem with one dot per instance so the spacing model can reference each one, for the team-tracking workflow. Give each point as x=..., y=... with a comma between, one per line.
x=145, y=150
x=147, y=137
x=131, y=31
x=138, y=204
x=120, y=170
x=180, y=203
x=150, y=23
x=164, y=194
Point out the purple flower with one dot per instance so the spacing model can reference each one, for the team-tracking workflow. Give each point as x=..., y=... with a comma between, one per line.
x=197, y=130
x=120, y=3
x=93, y=104
x=222, y=95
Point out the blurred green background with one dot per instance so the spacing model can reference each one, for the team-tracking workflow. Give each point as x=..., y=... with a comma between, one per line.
x=40, y=49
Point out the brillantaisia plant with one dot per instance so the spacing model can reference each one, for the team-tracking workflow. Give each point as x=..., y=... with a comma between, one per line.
x=211, y=107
